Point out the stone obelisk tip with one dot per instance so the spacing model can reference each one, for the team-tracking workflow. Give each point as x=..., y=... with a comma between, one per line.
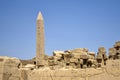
x=39, y=17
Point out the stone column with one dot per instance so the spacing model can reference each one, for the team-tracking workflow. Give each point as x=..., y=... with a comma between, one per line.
x=40, y=41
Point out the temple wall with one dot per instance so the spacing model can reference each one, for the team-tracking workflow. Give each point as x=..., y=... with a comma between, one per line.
x=9, y=68
x=81, y=74
x=9, y=71
x=110, y=72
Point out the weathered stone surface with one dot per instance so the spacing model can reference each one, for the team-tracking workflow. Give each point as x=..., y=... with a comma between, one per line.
x=112, y=51
x=113, y=67
x=9, y=68
x=40, y=53
x=72, y=74
x=117, y=44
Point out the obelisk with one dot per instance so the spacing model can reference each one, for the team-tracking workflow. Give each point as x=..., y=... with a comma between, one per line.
x=40, y=41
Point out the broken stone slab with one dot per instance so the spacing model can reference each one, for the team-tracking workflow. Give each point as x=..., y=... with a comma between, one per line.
x=79, y=50
x=29, y=66
x=58, y=53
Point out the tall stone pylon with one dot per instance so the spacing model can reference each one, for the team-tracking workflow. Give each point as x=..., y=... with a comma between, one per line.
x=40, y=53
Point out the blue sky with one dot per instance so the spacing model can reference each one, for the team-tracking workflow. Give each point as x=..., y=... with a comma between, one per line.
x=69, y=24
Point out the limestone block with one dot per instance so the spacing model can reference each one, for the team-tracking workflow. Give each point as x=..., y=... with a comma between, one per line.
x=113, y=67
x=79, y=50
x=118, y=51
x=84, y=56
x=117, y=44
x=112, y=51
x=58, y=53
x=102, y=50
x=74, y=60
x=9, y=68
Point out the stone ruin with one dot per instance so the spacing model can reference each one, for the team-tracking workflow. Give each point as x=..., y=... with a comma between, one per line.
x=114, y=53
x=9, y=68
x=76, y=64
x=79, y=58
x=82, y=58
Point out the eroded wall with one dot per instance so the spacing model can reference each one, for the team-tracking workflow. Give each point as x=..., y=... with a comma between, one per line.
x=9, y=70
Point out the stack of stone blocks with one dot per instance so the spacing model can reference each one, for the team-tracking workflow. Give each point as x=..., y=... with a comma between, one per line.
x=114, y=53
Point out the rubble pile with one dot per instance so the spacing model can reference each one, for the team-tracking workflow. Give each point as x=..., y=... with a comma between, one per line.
x=101, y=56
x=82, y=58
x=79, y=58
x=114, y=53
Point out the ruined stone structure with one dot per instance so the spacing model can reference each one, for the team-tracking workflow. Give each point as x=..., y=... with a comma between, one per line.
x=9, y=68
x=76, y=64
x=114, y=53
